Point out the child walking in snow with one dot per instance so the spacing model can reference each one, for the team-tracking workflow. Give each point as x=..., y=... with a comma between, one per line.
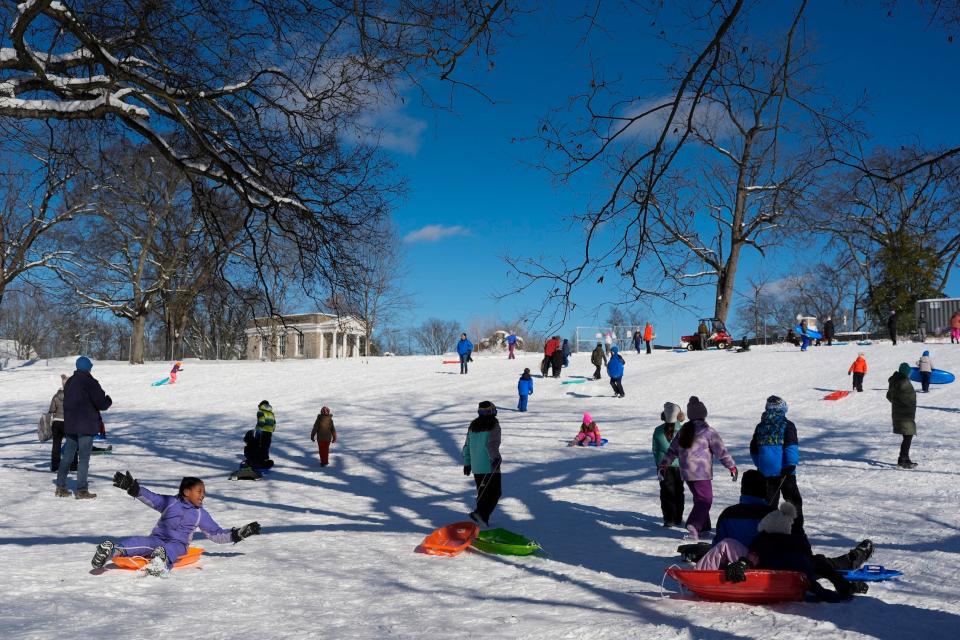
x=525, y=389
x=589, y=432
x=323, y=434
x=858, y=369
x=180, y=516
x=697, y=445
x=177, y=368
x=925, y=365
x=481, y=456
x=671, y=484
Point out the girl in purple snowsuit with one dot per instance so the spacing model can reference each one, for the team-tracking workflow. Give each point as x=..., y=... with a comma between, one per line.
x=180, y=516
x=697, y=444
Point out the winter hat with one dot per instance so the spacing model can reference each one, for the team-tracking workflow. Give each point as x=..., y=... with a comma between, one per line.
x=264, y=404
x=904, y=369
x=780, y=521
x=671, y=412
x=84, y=364
x=325, y=411
x=526, y=370
x=487, y=408
x=926, y=353
x=860, y=354
x=753, y=484
x=696, y=409
x=776, y=403
x=587, y=418
x=614, y=348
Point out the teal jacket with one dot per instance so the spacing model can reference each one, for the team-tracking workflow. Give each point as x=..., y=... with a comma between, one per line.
x=661, y=444
x=481, y=451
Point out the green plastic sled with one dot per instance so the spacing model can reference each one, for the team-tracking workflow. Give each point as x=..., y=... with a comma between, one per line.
x=505, y=543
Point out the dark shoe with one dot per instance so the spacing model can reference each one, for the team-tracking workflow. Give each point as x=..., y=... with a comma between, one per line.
x=158, y=563
x=906, y=464
x=62, y=492
x=864, y=550
x=858, y=587
x=480, y=521
x=104, y=552
x=84, y=495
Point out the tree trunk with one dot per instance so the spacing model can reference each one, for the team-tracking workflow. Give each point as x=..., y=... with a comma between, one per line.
x=138, y=324
x=725, y=284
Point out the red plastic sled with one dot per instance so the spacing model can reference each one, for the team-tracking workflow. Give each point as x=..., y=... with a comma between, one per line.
x=139, y=562
x=451, y=362
x=761, y=586
x=449, y=540
x=836, y=395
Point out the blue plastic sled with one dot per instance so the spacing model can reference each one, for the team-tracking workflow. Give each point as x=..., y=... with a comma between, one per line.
x=871, y=573
x=837, y=344
x=937, y=376
x=603, y=441
x=680, y=350
x=160, y=382
x=864, y=343
x=811, y=333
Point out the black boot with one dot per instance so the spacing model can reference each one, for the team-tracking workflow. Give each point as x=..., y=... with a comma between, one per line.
x=905, y=463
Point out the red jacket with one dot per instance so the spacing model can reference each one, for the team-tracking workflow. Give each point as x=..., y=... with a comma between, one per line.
x=648, y=332
x=859, y=366
x=552, y=345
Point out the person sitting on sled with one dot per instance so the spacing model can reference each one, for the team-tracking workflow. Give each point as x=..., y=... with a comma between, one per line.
x=589, y=432
x=180, y=516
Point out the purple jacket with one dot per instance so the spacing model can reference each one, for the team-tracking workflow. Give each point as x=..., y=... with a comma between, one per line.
x=179, y=519
x=696, y=463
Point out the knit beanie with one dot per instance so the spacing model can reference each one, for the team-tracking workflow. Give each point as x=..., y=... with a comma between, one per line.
x=587, y=418
x=926, y=353
x=696, y=409
x=753, y=484
x=776, y=403
x=486, y=408
x=671, y=412
x=904, y=369
x=779, y=521
x=84, y=364
x=614, y=348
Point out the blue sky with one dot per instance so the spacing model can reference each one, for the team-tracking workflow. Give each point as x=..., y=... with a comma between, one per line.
x=475, y=194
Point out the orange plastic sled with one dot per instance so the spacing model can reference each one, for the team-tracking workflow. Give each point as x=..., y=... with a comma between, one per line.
x=450, y=361
x=836, y=395
x=139, y=562
x=449, y=540
x=761, y=586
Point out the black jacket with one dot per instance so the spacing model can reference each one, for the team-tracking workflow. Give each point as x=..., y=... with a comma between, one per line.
x=828, y=329
x=83, y=400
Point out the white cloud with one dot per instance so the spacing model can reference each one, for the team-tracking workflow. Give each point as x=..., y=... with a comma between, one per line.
x=393, y=129
x=435, y=233
x=709, y=115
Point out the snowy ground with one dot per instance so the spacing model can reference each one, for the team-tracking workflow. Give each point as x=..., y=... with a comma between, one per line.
x=336, y=558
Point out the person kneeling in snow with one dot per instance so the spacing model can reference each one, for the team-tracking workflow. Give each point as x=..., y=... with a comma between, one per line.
x=180, y=516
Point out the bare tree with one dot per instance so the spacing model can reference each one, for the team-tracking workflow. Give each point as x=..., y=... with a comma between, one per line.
x=435, y=336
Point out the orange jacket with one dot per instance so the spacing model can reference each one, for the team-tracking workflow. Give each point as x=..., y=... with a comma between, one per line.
x=859, y=366
x=648, y=332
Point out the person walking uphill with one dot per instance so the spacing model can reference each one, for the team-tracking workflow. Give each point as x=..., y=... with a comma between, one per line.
x=481, y=456
x=828, y=331
x=598, y=358
x=324, y=433
x=903, y=405
x=858, y=369
x=556, y=360
x=83, y=400
x=671, y=483
x=549, y=347
x=775, y=454
x=892, y=327
x=615, y=371
x=524, y=389
x=697, y=445
x=648, y=336
x=464, y=349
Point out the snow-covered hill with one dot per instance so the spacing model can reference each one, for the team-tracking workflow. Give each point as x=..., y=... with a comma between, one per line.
x=336, y=558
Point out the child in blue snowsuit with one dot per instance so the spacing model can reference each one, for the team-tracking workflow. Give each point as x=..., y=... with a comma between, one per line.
x=180, y=516
x=524, y=388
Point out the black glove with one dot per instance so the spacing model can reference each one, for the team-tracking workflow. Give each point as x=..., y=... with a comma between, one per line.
x=736, y=571
x=786, y=471
x=127, y=482
x=247, y=530
x=466, y=469
x=848, y=373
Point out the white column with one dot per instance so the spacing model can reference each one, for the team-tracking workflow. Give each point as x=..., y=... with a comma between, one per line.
x=333, y=344
x=345, y=354
x=320, y=355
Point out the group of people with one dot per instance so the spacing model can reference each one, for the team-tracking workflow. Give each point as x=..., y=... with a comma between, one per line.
x=556, y=356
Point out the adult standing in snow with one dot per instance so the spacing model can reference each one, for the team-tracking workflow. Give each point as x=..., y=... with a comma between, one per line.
x=903, y=405
x=56, y=426
x=598, y=358
x=464, y=349
x=511, y=345
x=925, y=365
x=703, y=333
x=697, y=445
x=83, y=400
x=607, y=343
x=922, y=327
x=565, y=348
x=556, y=359
x=615, y=371
x=549, y=347
x=828, y=331
x=892, y=327
x=481, y=456
x=648, y=336
x=776, y=452
x=955, y=328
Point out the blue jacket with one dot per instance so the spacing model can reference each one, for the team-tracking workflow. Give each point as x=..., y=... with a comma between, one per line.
x=464, y=347
x=511, y=339
x=740, y=521
x=525, y=386
x=83, y=400
x=179, y=519
x=774, y=444
x=615, y=366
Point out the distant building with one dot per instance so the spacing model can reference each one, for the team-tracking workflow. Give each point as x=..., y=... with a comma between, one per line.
x=936, y=314
x=306, y=336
